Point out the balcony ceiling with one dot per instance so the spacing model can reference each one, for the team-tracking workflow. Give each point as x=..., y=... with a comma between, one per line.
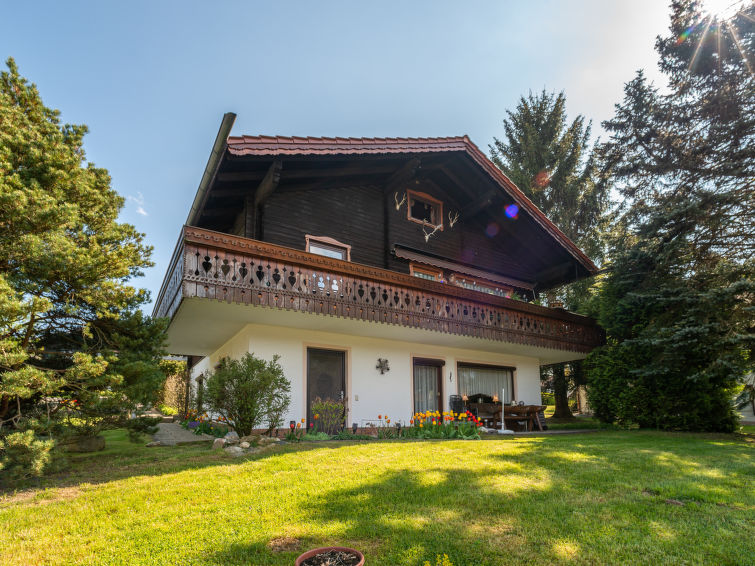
x=201, y=326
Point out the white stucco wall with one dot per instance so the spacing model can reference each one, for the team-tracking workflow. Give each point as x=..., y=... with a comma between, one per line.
x=369, y=393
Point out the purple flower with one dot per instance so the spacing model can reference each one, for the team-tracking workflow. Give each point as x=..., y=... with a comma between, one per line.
x=193, y=424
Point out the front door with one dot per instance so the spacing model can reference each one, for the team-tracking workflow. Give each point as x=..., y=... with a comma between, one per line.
x=326, y=376
x=428, y=388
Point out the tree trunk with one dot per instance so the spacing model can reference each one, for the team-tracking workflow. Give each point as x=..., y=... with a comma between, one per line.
x=561, y=392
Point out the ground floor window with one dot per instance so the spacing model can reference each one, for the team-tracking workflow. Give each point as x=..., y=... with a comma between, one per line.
x=428, y=385
x=490, y=381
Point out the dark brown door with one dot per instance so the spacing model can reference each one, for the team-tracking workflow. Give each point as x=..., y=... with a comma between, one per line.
x=428, y=385
x=326, y=376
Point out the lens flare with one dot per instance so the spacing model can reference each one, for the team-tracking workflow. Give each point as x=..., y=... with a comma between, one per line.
x=541, y=180
x=492, y=230
x=685, y=34
x=512, y=211
x=468, y=255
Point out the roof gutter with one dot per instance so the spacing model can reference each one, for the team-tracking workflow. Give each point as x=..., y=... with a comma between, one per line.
x=213, y=163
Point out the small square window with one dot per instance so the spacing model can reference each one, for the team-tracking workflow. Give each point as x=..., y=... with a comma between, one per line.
x=328, y=247
x=425, y=209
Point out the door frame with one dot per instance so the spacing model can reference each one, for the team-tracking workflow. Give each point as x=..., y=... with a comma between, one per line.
x=306, y=346
x=439, y=363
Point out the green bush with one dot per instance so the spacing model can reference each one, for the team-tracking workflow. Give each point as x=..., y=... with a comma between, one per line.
x=248, y=392
x=140, y=426
x=167, y=411
x=23, y=455
x=329, y=415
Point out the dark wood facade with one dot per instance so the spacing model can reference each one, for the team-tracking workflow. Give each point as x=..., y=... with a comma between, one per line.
x=265, y=197
x=259, y=193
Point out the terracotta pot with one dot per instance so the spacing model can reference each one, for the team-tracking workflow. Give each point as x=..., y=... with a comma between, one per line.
x=311, y=553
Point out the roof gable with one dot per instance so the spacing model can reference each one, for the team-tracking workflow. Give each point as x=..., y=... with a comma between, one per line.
x=277, y=146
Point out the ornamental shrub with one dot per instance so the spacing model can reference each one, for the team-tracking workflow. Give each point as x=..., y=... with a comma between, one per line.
x=23, y=455
x=329, y=415
x=248, y=392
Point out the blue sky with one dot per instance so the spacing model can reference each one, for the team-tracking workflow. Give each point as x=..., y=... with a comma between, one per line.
x=153, y=79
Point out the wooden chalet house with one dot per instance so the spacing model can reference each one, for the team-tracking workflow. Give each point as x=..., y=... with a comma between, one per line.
x=380, y=270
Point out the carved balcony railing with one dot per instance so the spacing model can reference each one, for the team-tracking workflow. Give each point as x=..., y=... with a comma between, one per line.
x=228, y=268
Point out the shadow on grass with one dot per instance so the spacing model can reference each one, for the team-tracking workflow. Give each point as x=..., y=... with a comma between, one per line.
x=580, y=502
x=123, y=459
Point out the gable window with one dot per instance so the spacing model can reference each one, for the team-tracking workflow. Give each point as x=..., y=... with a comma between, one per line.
x=426, y=272
x=328, y=247
x=424, y=209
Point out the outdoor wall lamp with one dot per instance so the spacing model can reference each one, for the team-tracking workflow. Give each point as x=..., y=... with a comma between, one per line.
x=382, y=366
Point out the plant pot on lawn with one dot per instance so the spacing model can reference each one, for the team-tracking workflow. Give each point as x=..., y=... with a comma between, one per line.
x=331, y=556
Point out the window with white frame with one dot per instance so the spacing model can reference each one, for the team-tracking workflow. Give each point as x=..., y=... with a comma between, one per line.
x=328, y=247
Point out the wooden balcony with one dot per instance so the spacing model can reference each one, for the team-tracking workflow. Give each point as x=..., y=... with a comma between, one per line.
x=215, y=266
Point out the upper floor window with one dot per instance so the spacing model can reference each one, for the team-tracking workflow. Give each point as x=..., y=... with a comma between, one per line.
x=426, y=273
x=425, y=209
x=328, y=247
x=481, y=286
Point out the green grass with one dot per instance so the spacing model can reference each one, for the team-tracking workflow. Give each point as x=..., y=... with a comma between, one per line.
x=605, y=498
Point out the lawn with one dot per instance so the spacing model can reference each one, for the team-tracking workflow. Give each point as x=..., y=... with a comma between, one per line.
x=609, y=497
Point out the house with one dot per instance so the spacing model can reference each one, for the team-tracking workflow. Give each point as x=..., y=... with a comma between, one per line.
x=394, y=273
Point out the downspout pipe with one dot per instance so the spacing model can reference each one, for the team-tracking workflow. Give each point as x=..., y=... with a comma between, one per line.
x=218, y=148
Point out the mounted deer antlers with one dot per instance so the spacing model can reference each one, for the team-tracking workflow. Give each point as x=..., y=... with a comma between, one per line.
x=452, y=219
x=398, y=204
x=427, y=235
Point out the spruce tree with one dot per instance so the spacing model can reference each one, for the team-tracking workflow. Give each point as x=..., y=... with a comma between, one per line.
x=552, y=161
x=677, y=304
x=75, y=351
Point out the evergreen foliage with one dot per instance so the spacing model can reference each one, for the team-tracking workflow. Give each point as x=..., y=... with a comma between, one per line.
x=677, y=304
x=76, y=354
x=553, y=163
x=248, y=392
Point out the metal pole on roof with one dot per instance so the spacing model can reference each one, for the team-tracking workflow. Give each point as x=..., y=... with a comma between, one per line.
x=212, y=166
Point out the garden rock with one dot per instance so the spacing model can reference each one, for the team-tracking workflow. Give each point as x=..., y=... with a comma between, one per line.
x=218, y=443
x=251, y=438
x=234, y=451
x=265, y=440
x=155, y=443
x=244, y=445
x=232, y=437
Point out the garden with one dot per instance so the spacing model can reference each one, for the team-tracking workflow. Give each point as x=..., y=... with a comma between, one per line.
x=640, y=497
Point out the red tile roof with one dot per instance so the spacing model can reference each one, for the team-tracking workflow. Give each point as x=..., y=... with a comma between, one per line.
x=283, y=145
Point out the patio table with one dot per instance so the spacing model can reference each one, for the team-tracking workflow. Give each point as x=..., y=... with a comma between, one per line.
x=524, y=413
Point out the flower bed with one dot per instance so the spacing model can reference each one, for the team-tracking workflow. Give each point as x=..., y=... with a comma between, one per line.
x=427, y=425
x=203, y=424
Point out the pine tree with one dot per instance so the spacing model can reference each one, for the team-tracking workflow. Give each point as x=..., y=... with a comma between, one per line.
x=72, y=341
x=553, y=163
x=678, y=303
